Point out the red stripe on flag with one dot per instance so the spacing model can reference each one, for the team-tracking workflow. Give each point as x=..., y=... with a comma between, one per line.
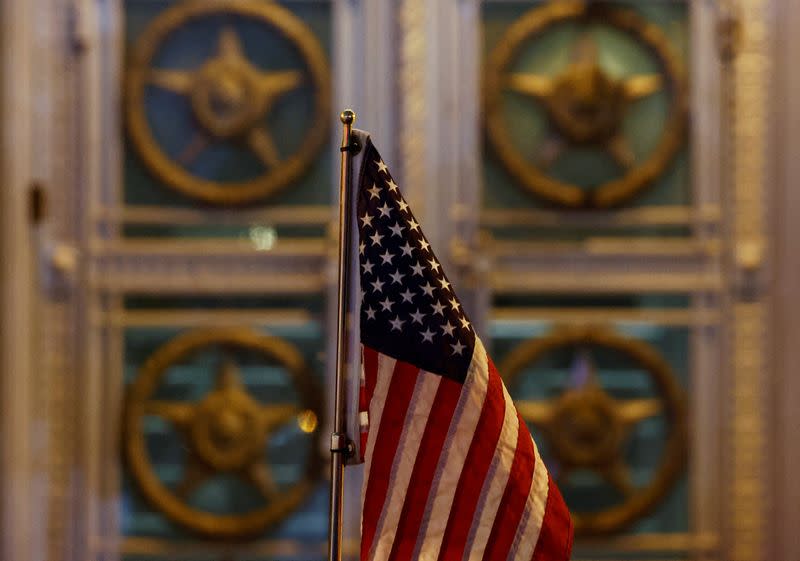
x=430, y=450
x=476, y=466
x=555, y=537
x=515, y=496
x=401, y=388
x=363, y=402
x=370, y=361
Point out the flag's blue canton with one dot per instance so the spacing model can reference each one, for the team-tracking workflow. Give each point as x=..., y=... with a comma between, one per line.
x=408, y=308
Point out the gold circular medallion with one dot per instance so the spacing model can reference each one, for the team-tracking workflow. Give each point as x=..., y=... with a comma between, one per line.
x=586, y=428
x=585, y=104
x=226, y=432
x=229, y=98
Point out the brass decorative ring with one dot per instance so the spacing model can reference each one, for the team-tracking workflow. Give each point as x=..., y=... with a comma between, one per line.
x=173, y=174
x=618, y=517
x=135, y=446
x=612, y=193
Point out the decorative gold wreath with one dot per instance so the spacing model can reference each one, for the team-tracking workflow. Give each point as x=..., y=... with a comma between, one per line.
x=587, y=428
x=229, y=82
x=585, y=104
x=225, y=432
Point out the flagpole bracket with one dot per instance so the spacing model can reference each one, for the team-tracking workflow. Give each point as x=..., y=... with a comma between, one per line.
x=340, y=444
x=353, y=145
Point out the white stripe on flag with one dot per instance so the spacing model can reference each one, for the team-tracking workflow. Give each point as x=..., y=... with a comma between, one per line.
x=531, y=522
x=404, y=459
x=456, y=447
x=495, y=485
x=384, y=378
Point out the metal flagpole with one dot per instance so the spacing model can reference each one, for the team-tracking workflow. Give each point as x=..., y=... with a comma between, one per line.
x=341, y=446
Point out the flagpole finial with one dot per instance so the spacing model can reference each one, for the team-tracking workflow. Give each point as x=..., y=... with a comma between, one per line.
x=348, y=117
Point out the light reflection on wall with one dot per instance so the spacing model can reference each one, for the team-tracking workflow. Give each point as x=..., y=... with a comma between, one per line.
x=263, y=238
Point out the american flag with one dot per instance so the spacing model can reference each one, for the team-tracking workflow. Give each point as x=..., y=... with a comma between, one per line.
x=451, y=471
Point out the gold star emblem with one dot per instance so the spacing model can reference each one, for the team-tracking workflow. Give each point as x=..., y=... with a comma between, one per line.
x=585, y=103
x=229, y=97
x=586, y=427
x=226, y=432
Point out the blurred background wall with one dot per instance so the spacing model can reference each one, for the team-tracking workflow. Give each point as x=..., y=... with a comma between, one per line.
x=611, y=186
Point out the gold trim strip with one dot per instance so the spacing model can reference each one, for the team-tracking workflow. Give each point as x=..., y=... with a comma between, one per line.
x=602, y=283
x=607, y=246
x=579, y=316
x=269, y=548
x=158, y=215
x=698, y=543
x=152, y=247
x=170, y=282
x=206, y=318
x=652, y=542
x=646, y=216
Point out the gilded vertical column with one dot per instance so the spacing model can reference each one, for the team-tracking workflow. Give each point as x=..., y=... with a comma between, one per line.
x=60, y=329
x=413, y=99
x=748, y=96
x=17, y=511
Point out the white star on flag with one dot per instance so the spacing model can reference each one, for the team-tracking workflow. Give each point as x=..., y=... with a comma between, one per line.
x=397, y=230
x=387, y=257
x=385, y=210
x=366, y=220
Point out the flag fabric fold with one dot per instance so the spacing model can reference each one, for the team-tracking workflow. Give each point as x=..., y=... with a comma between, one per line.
x=451, y=472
